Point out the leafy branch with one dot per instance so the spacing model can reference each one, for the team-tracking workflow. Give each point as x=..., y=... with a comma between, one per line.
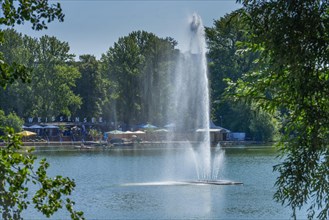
x=17, y=170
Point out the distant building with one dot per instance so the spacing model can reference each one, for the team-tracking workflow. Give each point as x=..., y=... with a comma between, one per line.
x=217, y=133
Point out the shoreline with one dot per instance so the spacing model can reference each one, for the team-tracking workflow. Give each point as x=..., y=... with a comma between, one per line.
x=105, y=144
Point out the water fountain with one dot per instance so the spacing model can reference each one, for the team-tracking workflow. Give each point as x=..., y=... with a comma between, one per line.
x=189, y=110
x=188, y=115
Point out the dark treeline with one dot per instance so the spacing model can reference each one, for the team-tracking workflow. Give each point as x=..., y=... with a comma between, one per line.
x=131, y=83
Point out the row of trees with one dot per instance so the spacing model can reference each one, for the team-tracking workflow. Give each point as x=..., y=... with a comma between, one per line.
x=52, y=77
x=123, y=86
x=131, y=83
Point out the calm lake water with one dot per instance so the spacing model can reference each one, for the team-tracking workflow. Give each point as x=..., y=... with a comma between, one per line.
x=140, y=183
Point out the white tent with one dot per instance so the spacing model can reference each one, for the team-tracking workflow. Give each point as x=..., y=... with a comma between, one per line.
x=114, y=132
x=51, y=126
x=35, y=127
x=138, y=132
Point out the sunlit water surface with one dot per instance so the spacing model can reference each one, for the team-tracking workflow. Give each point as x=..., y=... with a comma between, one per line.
x=145, y=183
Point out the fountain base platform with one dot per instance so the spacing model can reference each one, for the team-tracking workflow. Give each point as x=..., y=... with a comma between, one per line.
x=214, y=182
x=184, y=183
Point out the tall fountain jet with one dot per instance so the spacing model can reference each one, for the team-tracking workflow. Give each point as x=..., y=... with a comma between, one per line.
x=190, y=100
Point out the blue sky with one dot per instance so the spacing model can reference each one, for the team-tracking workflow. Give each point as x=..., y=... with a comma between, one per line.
x=92, y=26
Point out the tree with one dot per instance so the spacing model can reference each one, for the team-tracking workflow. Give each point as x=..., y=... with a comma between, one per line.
x=226, y=63
x=38, y=13
x=136, y=66
x=11, y=120
x=17, y=169
x=292, y=38
x=90, y=87
x=15, y=96
x=51, y=90
x=124, y=68
x=53, y=79
x=155, y=87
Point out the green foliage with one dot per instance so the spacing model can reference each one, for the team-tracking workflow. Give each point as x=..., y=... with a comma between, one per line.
x=130, y=84
x=263, y=126
x=51, y=90
x=124, y=61
x=227, y=63
x=292, y=38
x=137, y=71
x=95, y=134
x=11, y=120
x=10, y=73
x=13, y=70
x=91, y=87
x=38, y=13
x=17, y=170
x=14, y=97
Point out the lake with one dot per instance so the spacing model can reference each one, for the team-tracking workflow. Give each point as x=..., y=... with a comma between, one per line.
x=143, y=183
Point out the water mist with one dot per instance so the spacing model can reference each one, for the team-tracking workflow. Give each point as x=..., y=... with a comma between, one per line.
x=190, y=100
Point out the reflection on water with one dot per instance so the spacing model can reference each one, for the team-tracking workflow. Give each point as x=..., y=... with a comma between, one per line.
x=105, y=184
